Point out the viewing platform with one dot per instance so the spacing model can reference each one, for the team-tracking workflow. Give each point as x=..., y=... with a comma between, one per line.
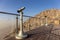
x=49, y=32
x=40, y=27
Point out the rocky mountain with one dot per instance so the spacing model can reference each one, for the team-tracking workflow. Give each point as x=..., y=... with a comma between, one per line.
x=45, y=17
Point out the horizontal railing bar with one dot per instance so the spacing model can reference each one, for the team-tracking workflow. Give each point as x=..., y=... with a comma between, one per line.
x=16, y=14
x=8, y=13
x=13, y=14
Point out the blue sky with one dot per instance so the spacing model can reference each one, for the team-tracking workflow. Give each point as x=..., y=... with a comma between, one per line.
x=33, y=7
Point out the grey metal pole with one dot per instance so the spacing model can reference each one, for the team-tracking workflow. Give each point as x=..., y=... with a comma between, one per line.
x=16, y=24
x=21, y=24
x=46, y=21
x=21, y=34
x=41, y=22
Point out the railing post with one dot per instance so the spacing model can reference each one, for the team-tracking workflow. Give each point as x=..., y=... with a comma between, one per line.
x=21, y=34
x=46, y=20
x=16, y=24
x=41, y=22
x=29, y=25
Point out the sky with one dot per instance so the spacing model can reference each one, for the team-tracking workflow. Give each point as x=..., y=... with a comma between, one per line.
x=32, y=7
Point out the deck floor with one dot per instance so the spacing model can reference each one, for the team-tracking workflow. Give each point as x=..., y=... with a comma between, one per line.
x=49, y=32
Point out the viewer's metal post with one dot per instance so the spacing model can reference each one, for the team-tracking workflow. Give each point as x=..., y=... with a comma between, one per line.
x=21, y=34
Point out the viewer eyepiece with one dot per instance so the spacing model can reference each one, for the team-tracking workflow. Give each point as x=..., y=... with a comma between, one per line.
x=21, y=9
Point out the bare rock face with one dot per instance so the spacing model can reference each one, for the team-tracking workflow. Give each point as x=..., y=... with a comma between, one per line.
x=45, y=17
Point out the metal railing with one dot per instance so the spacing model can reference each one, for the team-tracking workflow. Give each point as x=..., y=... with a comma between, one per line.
x=9, y=23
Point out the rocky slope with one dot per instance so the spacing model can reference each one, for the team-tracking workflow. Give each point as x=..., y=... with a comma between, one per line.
x=48, y=16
